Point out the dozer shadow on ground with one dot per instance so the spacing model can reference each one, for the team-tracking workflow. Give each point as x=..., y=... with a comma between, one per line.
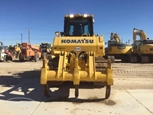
x=26, y=87
x=18, y=61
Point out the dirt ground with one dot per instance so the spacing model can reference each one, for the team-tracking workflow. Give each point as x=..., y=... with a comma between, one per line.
x=21, y=92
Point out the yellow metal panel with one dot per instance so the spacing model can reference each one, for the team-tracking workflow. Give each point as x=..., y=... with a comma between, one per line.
x=76, y=79
x=145, y=49
x=70, y=43
x=43, y=78
x=109, y=76
x=79, y=76
x=60, y=66
x=91, y=66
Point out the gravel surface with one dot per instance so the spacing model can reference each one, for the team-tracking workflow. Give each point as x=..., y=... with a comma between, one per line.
x=21, y=92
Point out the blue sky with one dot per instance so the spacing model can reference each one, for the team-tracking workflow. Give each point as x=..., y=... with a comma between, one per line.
x=44, y=17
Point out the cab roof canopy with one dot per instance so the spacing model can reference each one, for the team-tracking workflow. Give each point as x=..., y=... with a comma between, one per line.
x=78, y=15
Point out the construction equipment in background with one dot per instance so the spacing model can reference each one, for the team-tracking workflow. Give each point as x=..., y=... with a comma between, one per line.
x=142, y=48
x=77, y=56
x=30, y=52
x=15, y=50
x=117, y=49
x=46, y=50
x=5, y=55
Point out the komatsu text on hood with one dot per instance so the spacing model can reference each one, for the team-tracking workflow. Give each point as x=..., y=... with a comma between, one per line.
x=77, y=41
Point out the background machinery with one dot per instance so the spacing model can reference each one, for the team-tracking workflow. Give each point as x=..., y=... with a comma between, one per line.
x=30, y=52
x=142, y=48
x=46, y=50
x=77, y=56
x=117, y=49
x=15, y=50
x=5, y=55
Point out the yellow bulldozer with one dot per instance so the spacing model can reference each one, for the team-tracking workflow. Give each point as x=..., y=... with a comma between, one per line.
x=142, y=50
x=117, y=49
x=77, y=56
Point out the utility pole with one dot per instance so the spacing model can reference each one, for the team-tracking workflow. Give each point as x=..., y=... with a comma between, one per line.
x=29, y=36
x=21, y=38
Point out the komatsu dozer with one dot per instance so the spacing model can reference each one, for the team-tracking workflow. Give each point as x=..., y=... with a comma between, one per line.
x=77, y=56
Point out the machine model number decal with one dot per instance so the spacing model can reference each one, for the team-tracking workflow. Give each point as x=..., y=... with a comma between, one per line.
x=77, y=41
x=77, y=49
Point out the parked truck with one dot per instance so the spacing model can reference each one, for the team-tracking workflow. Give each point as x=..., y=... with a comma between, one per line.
x=30, y=52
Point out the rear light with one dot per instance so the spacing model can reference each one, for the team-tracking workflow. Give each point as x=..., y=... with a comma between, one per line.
x=101, y=47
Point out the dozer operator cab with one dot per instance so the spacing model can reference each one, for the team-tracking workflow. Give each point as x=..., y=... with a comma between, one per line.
x=147, y=41
x=45, y=46
x=112, y=42
x=46, y=50
x=78, y=25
